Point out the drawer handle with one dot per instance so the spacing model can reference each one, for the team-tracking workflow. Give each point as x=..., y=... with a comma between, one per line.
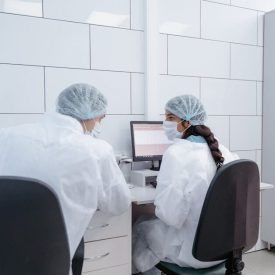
x=98, y=226
x=96, y=257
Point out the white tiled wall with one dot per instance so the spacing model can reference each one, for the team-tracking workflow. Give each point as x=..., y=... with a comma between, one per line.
x=33, y=8
x=227, y=97
x=221, y=128
x=260, y=28
x=137, y=93
x=246, y=62
x=98, y=12
x=137, y=14
x=198, y=57
x=227, y=23
x=22, y=89
x=175, y=18
x=225, y=56
x=212, y=49
x=259, y=98
x=117, y=49
x=245, y=132
x=262, y=5
x=43, y=42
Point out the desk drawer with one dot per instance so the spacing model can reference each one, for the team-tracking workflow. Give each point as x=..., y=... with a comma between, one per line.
x=117, y=270
x=107, y=253
x=104, y=226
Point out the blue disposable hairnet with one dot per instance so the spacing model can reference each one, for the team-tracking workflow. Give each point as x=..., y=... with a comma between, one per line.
x=187, y=107
x=81, y=101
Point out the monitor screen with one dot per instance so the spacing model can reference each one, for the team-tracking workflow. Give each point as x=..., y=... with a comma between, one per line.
x=149, y=141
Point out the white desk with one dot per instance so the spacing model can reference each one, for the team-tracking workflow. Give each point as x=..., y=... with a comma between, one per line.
x=143, y=195
x=146, y=195
x=264, y=186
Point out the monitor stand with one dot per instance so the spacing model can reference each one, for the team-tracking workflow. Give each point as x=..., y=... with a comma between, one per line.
x=155, y=168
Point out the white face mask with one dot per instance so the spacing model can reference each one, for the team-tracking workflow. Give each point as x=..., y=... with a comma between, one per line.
x=170, y=129
x=95, y=132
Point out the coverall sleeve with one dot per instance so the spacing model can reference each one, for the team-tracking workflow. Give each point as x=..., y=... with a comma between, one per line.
x=114, y=194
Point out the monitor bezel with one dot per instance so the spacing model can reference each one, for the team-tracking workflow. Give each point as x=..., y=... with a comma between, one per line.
x=140, y=158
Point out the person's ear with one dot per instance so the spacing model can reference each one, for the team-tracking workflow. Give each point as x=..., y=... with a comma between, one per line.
x=186, y=124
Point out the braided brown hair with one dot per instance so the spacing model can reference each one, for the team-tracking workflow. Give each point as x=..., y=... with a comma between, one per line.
x=205, y=132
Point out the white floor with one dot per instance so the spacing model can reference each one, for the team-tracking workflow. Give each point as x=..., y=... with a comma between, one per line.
x=260, y=263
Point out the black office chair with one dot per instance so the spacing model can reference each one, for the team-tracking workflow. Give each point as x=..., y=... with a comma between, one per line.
x=229, y=221
x=33, y=238
x=78, y=259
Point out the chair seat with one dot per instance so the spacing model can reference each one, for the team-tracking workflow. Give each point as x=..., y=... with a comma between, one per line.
x=173, y=269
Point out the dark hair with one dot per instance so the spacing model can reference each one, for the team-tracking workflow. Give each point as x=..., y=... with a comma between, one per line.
x=205, y=132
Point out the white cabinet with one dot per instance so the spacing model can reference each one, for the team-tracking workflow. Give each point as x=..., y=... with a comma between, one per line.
x=105, y=226
x=268, y=167
x=106, y=253
x=108, y=245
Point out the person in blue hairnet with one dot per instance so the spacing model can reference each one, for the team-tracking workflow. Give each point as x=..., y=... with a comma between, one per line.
x=187, y=169
x=64, y=151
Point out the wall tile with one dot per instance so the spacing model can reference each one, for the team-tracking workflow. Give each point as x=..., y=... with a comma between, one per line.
x=116, y=130
x=228, y=97
x=260, y=28
x=195, y=57
x=220, y=1
x=226, y=23
x=262, y=5
x=247, y=154
x=10, y=120
x=259, y=98
x=114, y=85
x=246, y=62
x=33, y=8
x=171, y=86
x=219, y=125
x=245, y=133
x=181, y=17
x=259, y=160
x=163, y=60
x=138, y=14
x=138, y=93
x=117, y=49
x=36, y=41
x=22, y=89
x=100, y=12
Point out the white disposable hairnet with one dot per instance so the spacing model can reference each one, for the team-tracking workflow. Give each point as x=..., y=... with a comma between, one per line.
x=81, y=101
x=187, y=107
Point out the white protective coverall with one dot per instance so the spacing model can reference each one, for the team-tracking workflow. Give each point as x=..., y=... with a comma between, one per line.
x=185, y=175
x=81, y=169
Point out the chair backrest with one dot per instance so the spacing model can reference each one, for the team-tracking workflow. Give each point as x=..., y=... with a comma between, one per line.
x=33, y=238
x=230, y=214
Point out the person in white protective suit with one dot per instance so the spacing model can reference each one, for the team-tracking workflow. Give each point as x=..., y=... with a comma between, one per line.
x=62, y=151
x=187, y=169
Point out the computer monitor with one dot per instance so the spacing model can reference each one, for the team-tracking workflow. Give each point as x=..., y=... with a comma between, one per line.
x=149, y=141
